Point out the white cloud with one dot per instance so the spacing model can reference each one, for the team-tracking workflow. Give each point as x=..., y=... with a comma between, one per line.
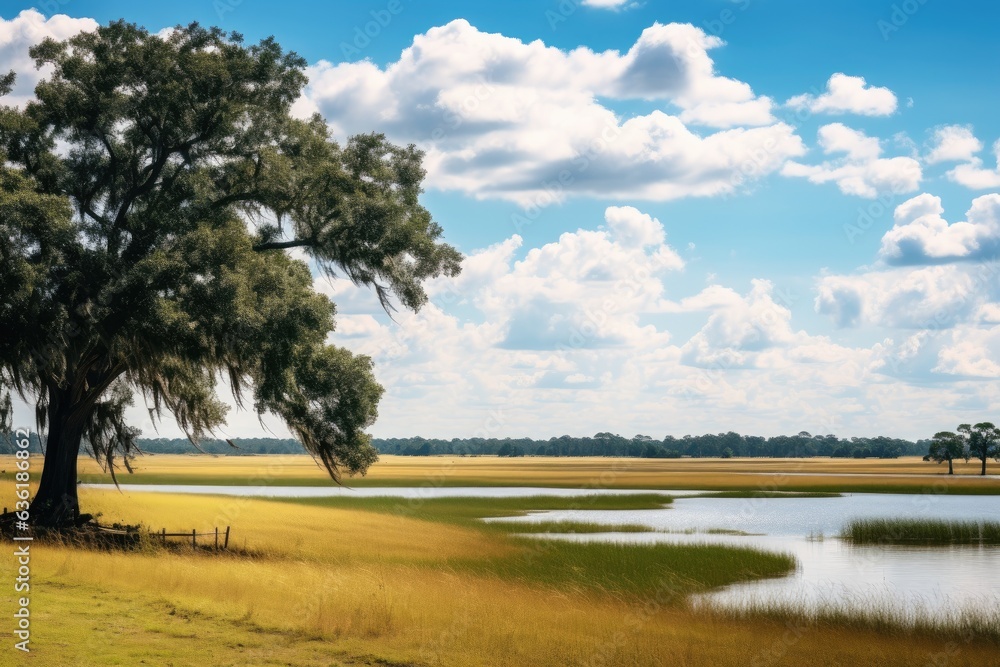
x=861, y=171
x=960, y=287
x=739, y=328
x=25, y=30
x=556, y=342
x=932, y=297
x=848, y=94
x=753, y=112
x=921, y=235
x=972, y=352
x=953, y=143
x=501, y=118
x=973, y=176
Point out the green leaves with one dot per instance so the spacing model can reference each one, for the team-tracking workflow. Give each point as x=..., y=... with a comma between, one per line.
x=146, y=254
x=947, y=446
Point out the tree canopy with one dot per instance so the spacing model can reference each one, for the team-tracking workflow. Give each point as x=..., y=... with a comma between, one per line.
x=150, y=193
x=982, y=441
x=947, y=446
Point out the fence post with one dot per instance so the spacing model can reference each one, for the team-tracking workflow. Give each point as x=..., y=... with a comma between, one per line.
x=194, y=539
x=226, y=545
x=164, y=537
x=216, y=538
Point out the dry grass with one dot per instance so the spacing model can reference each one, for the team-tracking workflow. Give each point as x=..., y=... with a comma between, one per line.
x=903, y=475
x=338, y=586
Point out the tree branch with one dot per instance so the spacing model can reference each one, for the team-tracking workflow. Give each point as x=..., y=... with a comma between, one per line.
x=281, y=245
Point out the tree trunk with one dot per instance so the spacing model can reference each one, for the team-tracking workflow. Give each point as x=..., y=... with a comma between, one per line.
x=984, y=466
x=951, y=470
x=56, y=504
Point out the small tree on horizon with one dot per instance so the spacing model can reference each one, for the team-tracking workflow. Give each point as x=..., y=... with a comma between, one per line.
x=947, y=446
x=982, y=440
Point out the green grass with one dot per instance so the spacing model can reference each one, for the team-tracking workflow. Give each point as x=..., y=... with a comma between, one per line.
x=921, y=531
x=666, y=573
x=662, y=572
x=569, y=527
x=727, y=531
x=468, y=511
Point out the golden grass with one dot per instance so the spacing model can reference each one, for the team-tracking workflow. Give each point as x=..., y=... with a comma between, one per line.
x=349, y=587
x=904, y=475
x=303, y=532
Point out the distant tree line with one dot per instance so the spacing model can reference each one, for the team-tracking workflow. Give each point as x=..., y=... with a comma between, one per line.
x=710, y=445
x=724, y=445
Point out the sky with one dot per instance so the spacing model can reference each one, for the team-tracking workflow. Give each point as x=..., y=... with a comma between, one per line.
x=678, y=217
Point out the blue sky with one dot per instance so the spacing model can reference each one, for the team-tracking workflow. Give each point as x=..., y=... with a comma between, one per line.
x=773, y=216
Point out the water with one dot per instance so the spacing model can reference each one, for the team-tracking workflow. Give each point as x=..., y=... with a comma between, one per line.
x=911, y=580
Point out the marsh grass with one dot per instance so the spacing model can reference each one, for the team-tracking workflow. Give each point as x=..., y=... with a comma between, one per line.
x=664, y=572
x=979, y=622
x=921, y=531
x=468, y=511
x=569, y=527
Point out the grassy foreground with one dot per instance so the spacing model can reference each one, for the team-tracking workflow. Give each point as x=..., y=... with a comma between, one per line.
x=922, y=531
x=903, y=475
x=389, y=582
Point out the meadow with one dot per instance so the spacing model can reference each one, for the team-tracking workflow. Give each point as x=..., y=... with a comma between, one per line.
x=382, y=581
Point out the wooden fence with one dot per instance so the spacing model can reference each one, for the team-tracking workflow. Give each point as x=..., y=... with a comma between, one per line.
x=163, y=535
x=193, y=536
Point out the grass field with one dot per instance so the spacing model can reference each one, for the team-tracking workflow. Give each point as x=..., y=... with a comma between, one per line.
x=903, y=475
x=391, y=582
x=376, y=582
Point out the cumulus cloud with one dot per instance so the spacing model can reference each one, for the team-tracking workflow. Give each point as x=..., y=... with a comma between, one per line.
x=860, y=171
x=953, y=143
x=926, y=298
x=502, y=118
x=22, y=32
x=932, y=276
x=559, y=340
x=971, y=352
x=921, y=235
x=848, y=94
x=587, y=289
x=739, y=328
x=974, y=176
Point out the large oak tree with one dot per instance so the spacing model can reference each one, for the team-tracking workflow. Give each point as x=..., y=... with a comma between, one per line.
x=150, y=195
